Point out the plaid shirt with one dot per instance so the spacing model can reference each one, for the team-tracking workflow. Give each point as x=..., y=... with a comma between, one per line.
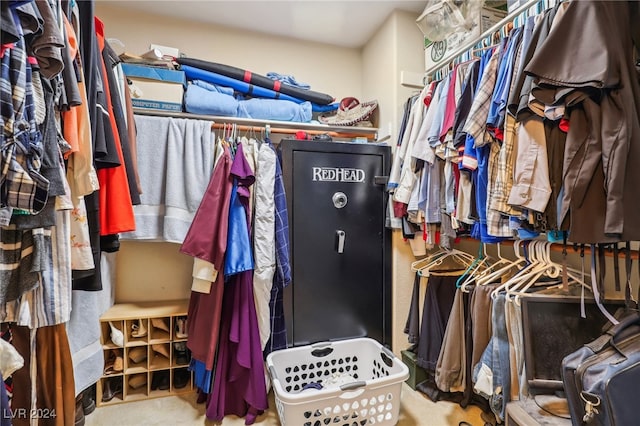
x=497, y=223
x=501, y=172
x=283, y=271
x=476, y=123
x=282, y=278
x=504, y=178
x=21, y=184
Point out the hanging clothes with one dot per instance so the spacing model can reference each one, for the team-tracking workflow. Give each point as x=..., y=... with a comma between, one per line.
x=531, y=171
x=282, y=277
x=450, y=368
x=238, y=385
x=205, y=308
x=115, y=208
x=600, y=184
x=264, y=237
x=43, y=350
x=45, y=99
x=175, y=173
x=438, y=303
x=492, y=375
x=81, y=173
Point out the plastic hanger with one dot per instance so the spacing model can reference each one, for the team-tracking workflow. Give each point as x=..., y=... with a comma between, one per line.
x=498, y=273
x=501, y=260
x=475, y=269
x=549, y=268
x=481, y=268
x=544, y=267
x=422, y=263
x=465, y=259
x=470, y=269
x=532, y=262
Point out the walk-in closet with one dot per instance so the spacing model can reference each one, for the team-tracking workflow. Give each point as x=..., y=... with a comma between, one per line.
x=319, y=212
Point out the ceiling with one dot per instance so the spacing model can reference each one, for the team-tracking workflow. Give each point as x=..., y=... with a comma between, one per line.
x=348, y=23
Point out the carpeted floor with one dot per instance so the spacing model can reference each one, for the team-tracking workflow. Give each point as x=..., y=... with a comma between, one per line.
x=415, y=410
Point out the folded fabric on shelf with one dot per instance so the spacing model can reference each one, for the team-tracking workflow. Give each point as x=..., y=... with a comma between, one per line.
x=214, y=87
x=272, y=109
x=199, y=99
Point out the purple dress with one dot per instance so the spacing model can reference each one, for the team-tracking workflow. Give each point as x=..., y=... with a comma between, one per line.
x=207, y=240
x=239, y=386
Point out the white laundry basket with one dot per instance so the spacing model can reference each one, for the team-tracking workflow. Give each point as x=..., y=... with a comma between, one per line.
x=372, y=397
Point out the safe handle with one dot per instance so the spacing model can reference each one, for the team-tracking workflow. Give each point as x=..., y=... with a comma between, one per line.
x=340, y=236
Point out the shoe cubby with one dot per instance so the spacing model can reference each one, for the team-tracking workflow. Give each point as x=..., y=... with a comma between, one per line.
x=136, y=386
x=112, y=334
x=160, y=356
x=137, y=332
x=160, y=383
x=147, y=357
x=136, y=359
x=113, y=362
x=110, y=390
x=181, y=355
x=181, y=379
x=160, y=330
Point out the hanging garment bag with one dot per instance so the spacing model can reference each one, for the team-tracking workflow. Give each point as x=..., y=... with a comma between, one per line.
x=601, y=378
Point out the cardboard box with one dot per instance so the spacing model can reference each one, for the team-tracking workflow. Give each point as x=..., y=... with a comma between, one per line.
x=156, y=88
x=435, y=52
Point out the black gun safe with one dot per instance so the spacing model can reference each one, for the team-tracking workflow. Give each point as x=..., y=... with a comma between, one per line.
x=340, y=247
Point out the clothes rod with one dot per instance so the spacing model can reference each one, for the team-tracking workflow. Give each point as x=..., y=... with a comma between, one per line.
x=283, y=127
x=243, y=128
x=559, y=247
x=445, y=61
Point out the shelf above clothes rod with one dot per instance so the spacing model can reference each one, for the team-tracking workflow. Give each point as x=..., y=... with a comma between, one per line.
x=468, y=45
x=282, y=127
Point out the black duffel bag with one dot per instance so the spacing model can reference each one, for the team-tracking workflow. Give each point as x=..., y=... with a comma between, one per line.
x=602, y=379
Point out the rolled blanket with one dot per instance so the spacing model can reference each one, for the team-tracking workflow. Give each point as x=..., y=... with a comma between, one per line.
x=193, y=73
x=258, y=80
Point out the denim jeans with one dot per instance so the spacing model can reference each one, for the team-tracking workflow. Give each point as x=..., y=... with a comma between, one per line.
x=496, y=360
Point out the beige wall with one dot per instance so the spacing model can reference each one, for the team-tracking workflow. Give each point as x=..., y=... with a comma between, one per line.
x=410, y=58
x=394, y=48
x=157, y=271
x=378, y=74
x=152, y=271
x=328, y=69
